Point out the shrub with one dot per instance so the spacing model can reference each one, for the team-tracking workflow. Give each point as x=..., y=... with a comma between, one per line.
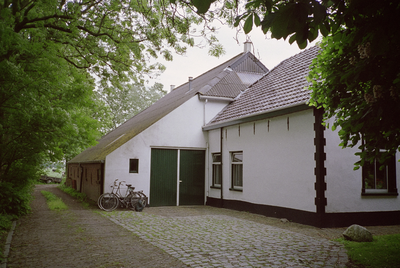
x=14, y=200
x=72, y=192
x=53, y=201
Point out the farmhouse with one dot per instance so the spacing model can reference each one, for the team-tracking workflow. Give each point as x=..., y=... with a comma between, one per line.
x=162, y=150
x=243, y=137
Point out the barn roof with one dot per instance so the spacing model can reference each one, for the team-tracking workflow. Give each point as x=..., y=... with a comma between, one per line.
x=283, y=87
x=227, y=80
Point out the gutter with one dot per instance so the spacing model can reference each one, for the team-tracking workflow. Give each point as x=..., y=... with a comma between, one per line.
x=214, y=98
x=261, y=115
x=87, y=162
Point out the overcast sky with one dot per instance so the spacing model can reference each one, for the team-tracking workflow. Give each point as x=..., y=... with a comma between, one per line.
x=197, y=61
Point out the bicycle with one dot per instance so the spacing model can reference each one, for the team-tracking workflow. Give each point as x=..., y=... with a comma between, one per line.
x=143, y=197
x=110, y=201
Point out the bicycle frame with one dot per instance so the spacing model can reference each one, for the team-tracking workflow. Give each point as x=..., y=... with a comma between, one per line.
x=135, y=200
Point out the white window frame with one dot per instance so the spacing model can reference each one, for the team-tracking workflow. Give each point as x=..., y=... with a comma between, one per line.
x=236, y=161
x=216, y=171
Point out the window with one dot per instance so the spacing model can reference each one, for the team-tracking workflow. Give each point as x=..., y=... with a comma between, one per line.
x=216, y=170
x=133, y=165
x=379, y=179
x=237, y=170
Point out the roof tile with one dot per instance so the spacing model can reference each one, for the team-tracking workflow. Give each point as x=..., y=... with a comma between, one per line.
x=282, y=86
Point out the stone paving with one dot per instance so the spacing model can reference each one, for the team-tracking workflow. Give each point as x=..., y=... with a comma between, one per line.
x=227, y=241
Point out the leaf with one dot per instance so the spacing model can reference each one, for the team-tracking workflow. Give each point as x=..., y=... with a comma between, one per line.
x=312, y=34
x=202, y=5
x=286, y=16
x=319, y=12
x=302, y=45
x=292, y=39
x=237, y=21
x=257, y=20
x=248, y=25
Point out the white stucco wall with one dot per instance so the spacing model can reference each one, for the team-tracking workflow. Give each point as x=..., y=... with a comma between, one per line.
x=182, y=128
x=344, y=184
x=278, y=163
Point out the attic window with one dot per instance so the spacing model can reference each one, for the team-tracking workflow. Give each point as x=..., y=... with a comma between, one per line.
x=133, y=165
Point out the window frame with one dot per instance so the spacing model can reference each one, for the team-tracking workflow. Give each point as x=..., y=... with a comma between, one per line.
x=216, y=171
x=134, y=168
x=390, y=173
x=234, y=165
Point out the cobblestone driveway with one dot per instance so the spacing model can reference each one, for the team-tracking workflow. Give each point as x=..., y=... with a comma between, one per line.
x=213, y=240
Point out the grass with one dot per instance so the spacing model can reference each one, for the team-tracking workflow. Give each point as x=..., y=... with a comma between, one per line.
x=54, y=202
x=75, y=194
x=382, y=252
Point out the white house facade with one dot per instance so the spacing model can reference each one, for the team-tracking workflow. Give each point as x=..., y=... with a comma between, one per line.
x=270, y=154
x=242, y=137
x=162, y=150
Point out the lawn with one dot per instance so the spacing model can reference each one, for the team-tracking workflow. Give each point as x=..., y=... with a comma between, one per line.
x=383, y=252
x=54, y=202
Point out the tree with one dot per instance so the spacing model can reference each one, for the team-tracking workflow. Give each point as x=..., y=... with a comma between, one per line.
x=52, y=55
x=126, y=102
x=356, y=77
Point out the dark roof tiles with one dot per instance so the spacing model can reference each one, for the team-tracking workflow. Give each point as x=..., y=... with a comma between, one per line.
x=283, y=86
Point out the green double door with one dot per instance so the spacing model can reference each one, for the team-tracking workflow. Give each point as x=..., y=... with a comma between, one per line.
x=177, y=177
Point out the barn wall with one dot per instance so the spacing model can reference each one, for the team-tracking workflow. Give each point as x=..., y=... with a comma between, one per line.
x=74, y=176
x=179, y=129
x=92, y=180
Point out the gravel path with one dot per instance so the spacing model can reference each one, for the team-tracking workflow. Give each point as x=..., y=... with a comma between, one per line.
x=198, y=236
x=78, y=237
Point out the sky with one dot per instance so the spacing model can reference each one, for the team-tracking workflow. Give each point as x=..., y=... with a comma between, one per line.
x=197, y=61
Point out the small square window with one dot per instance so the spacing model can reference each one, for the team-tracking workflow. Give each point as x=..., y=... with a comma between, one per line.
x=133, y=165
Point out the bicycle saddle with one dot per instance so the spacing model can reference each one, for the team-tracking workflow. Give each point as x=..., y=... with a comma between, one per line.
x=130, y=186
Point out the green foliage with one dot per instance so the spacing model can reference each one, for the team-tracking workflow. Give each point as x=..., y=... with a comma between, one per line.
x=356, y=79
x=53, y=54
x=14, y=199
x=383, y=252
x=123, y=103
x=5, y=223
x=54, y=202
x=72, y=192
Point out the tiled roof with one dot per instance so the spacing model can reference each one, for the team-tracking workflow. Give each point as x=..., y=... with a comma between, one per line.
x=221, y=81
x=284, y=86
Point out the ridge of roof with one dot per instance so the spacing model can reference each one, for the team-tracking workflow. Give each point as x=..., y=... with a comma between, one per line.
x=169, y=102
x=258, y=63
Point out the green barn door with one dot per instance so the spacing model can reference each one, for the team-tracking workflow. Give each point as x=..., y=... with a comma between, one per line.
x=191, y=177
x=163, y=176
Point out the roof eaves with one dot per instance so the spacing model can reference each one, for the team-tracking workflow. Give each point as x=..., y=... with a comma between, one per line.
x=214, y=98
x=259, y=116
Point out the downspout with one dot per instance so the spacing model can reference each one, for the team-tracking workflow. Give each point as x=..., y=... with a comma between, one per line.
x=320, y=170
x=80, y=178
x=204, y=112
x=222, y=178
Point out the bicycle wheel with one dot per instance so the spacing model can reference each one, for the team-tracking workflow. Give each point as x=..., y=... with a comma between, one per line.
x=135, y=199
x=143, y=197
x=108, y=202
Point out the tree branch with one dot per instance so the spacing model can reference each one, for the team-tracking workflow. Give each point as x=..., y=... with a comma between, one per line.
x=98, y=34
